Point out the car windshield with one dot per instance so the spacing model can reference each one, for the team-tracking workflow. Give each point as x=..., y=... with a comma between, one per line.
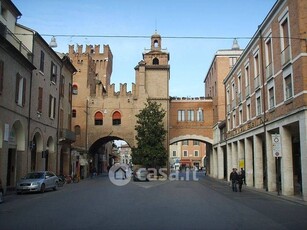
x=35, y=175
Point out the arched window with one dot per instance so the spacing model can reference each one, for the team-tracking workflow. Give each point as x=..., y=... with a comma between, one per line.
x=98, y=118
x=155, y=61
x=116, y=117
x=74, y=113
x=77, y=130
x=75, y=89
x=156, y=43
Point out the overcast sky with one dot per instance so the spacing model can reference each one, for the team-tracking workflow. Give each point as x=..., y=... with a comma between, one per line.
x=217, y=21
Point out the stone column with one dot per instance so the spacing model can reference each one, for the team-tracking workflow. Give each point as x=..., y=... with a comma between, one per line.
x=220, y=163
x=234, y=152
x=286, y=162
x=214, y=154
x=271, y=165
x=229, y=160
x=303, y=144
x=249, y=161
x=258, y=162
x=211, y=163
x=240, y=154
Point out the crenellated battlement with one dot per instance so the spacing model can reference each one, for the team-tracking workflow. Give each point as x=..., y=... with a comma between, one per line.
x=94, y=51
x=121, y=93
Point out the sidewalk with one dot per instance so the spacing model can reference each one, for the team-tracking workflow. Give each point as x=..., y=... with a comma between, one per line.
x=295, y=199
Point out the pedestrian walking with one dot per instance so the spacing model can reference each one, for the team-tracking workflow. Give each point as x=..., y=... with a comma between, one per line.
x=234, y=179
x=240, y=181
x=243, y=175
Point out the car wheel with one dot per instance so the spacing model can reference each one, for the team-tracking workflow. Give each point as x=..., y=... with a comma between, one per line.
x=18, y=193
x=43, y=187
x=56, y=186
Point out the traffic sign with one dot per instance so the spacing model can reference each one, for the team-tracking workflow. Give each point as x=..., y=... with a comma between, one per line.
x=276, y=142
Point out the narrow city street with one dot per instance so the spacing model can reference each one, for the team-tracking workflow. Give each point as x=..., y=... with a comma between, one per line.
x=98, y=204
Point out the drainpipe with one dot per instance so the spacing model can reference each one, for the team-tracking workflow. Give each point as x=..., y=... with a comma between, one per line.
x=29, y=113
x=58, y=121
x=264, y=105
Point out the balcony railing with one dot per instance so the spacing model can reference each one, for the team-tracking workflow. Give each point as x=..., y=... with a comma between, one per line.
x=9, y=36
x=285, y=55
x=67, y=135
x=269, y=71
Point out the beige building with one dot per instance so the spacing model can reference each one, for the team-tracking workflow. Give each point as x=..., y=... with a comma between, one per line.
x=66, y=136
x=266, y=105
x=32, y=102
x=222, y=63
x=15, y=98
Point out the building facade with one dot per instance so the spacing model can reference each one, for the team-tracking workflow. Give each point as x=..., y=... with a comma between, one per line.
x=37, y=82
x=15, y=98
x=222, y=63
x=266, y=104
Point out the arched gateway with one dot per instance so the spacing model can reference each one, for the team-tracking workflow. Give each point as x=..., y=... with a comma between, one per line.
x=102, y=115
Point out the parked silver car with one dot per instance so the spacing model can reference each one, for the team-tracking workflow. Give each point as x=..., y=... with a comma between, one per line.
x=37, y=182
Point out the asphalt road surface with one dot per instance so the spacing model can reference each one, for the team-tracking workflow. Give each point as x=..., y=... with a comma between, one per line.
x=177, y=204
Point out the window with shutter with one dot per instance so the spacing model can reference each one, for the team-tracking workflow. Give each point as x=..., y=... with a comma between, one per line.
x=40, y=100
x=1, y=75
x=42, y=62
x=52, y=106
x=24, y=91
x=19, y=90
x=116, y=118
x=62, y=85
x=53, y=75
x=98, y=118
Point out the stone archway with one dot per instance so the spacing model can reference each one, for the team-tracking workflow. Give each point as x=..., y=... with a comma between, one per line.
x=50, y=155
x=16, y=156
x=36, y=152
x=189, y=151
x=100, y=153
x=191, y=137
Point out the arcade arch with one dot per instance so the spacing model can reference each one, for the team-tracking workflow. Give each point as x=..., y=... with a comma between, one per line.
x=15, y=157
x=36, y=151
x=101, y=154
x=189, y=151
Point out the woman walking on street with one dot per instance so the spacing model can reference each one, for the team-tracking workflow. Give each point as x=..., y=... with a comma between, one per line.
x=240, y=181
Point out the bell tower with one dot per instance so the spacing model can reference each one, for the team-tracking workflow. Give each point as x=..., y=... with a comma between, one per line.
x=156, y=69
x=153, y=75
x=156, y=42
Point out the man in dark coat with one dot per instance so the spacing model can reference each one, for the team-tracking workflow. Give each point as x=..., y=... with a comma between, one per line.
x=234, y=179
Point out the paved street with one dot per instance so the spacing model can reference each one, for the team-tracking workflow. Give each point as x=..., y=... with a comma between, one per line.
x=98, y=204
